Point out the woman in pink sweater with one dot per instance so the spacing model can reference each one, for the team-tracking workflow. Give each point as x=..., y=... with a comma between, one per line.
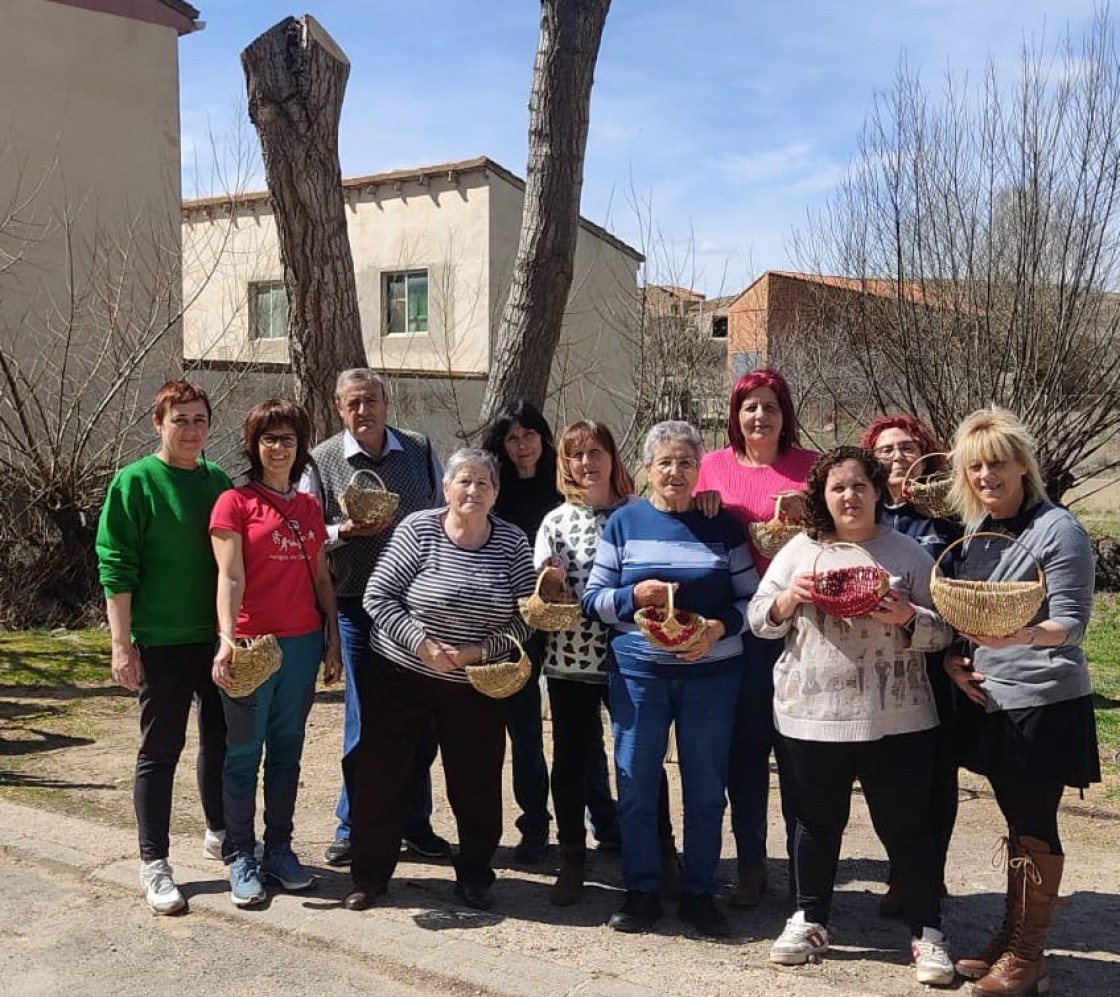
x=763, y=461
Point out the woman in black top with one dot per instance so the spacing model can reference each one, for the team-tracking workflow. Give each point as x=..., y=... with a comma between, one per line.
x=521, y=439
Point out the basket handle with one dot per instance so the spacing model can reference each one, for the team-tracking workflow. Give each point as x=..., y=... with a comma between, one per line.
x=374, y=474
x=924, y=457
x=989, y=533
x=833, y=544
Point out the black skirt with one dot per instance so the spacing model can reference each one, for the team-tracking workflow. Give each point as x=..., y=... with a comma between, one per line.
x=1056, y=743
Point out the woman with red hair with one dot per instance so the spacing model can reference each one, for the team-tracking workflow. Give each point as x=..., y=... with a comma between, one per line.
x=764, y=461
x=897, y=441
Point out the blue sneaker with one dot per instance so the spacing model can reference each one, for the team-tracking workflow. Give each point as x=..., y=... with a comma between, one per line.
x=245, y=889
x=283, y=866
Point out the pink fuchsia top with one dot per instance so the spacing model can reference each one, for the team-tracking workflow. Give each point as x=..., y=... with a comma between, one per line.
x=748, y=492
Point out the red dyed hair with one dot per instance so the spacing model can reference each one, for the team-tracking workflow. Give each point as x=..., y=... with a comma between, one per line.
x=763, y=377
x=178, y=393
x=916, y=428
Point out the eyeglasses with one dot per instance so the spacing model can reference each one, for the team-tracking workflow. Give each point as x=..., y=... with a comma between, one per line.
x=908, y=449
x=287, y=441
x=683, y=464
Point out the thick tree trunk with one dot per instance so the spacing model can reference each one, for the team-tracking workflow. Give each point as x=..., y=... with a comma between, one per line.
x=559, y=113
x=296, y=77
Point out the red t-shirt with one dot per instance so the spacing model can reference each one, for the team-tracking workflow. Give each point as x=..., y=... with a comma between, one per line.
x=279, y=595
x=749, y=492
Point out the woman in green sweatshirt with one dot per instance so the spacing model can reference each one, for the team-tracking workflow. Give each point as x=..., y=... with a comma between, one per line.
x=159, y=577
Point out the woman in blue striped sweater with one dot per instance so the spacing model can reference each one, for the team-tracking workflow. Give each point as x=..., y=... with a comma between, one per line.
x=443, y=596
x=644, y=546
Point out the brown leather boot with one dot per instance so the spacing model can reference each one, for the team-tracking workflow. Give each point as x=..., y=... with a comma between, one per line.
x=1021, y=970
x=752, y=884
x=976, y=966
x=568, y=887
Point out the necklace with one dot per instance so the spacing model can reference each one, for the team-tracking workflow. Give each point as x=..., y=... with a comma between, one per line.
x=286, y=494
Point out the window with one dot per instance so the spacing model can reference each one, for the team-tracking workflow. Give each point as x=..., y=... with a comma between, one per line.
x=719, y=327
x=405, y=295
x=268, y=310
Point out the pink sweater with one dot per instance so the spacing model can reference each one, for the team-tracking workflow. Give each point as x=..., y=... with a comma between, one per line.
x=749, y=492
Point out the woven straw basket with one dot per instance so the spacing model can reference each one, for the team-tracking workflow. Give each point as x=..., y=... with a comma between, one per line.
x=551, y=616
x=771, y=536
x=928, y=494
x=850, y=591
x=987, y=609
x=368, y=503
x=501, y=679
x=670, y=629
x=255, y=660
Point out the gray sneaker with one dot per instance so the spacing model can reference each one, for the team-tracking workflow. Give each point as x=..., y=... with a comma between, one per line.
x=283, y=866
x=162, y=894
x=245, y=889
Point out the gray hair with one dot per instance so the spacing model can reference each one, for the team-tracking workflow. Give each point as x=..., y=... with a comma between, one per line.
x=669, y=432
x=471, y=456
x=362, y=374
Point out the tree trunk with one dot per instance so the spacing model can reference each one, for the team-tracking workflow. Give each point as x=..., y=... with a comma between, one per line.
x=296, y=77
x=559, y=108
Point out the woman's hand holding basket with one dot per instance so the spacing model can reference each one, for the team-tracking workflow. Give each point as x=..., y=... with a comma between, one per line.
x=711, y=633
x=652, y=592
x=220, y=670
x=800, y=591
x=894, y=610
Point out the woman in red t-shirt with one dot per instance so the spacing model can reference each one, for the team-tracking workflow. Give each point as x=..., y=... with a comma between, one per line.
x=272, y=579
x=762, y=462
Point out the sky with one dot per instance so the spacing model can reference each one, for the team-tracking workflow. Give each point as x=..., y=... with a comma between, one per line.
x=716, y=125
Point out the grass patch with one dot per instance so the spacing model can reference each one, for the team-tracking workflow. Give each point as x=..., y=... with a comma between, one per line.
x=1102, y=648
x=39, y=658
x=1101, y=522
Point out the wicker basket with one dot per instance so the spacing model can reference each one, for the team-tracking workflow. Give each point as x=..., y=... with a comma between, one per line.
x=987, y=609
x=670, y=629
x=254, y=661
x=368, y=503
x=928, y=494
x=551, y=616
x=852, y=590
x=771, y=536
x=501, y=679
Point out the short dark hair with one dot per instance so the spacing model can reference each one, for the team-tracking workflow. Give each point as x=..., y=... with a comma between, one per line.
x=180, y=392
x=818, y=519
x=763, y=377
x=269, y=415
x=525, y=414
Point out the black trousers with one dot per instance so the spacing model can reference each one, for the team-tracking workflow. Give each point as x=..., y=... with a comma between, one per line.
x=895, y=774
x=176, y=675
x=399, y=708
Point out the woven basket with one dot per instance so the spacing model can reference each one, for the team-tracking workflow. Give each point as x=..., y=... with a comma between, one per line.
x=987, y=609
x=254, y=661
x=551, y=616
x=850, y=591
x=928, y=494
x=368, y=503
x=670, y=629
x=771, y=536
x=501, y=679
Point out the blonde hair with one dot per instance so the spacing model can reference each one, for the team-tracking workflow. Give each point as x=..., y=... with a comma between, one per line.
x=578, y=434
x=991, y=434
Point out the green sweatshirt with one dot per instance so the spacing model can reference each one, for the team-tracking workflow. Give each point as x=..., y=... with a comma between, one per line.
x=153, y=540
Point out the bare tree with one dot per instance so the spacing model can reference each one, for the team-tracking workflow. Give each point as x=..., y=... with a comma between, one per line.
x=559, y=114
x=296, y=78
x=979, y=227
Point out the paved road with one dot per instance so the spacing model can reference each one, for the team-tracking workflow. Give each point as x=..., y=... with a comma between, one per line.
x=64, y=936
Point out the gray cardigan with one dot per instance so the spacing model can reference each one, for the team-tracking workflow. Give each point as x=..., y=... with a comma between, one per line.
x=1022, y=676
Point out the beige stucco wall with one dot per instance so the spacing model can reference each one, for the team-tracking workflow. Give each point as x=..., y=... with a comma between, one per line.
x=89, y=152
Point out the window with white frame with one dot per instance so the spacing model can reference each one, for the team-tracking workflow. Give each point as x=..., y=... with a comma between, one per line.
x=404, y=296
x=268, y=310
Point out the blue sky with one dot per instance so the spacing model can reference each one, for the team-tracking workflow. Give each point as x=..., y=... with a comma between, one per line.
x=715, y=124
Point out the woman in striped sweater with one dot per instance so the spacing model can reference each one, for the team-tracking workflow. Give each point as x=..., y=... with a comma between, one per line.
x=443, y=596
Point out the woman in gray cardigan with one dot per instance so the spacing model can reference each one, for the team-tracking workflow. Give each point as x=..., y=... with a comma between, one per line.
x=1028, y=721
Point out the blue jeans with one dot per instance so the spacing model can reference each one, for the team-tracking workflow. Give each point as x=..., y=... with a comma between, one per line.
x=526, y=738
x=354, y=627
x=703, y=710
x=271, y=720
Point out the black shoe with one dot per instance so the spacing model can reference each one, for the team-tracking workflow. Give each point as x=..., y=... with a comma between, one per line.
x=338, y=852
x=610, y=841
x=639, y=912
x=700, y=910
x=362, y=899
x=428, y=845
x=477, y=897
x=531, y=849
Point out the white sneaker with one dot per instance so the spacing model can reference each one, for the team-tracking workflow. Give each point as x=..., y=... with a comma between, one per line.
x=163, y=895
x=931, y=958
x=212, y=844
x=801, y=942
